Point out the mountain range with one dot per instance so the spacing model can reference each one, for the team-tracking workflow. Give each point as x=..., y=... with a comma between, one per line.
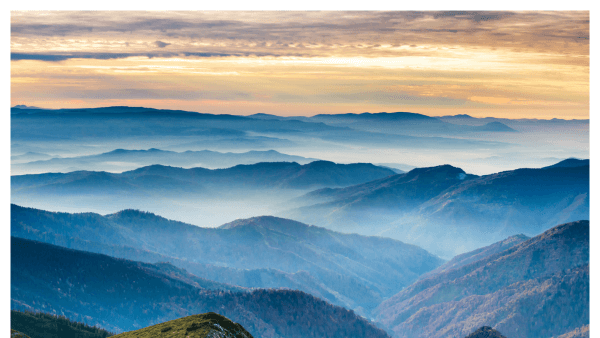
x=354, y=271
x=289, y=175
x=395, y=123
x=191, y=130
x=120, y=160
x=194, y=195
x=121, y=295
x=523, y=291
x=438, y=207
x=469, y=249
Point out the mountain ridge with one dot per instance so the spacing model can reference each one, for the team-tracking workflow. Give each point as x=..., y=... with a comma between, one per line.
x=121, y=295
x=350, y=270
x=120, y=160
x=435, y=211
x=498, y=289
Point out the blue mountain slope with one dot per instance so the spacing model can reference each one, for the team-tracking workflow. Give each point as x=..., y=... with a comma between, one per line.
x=357, y=271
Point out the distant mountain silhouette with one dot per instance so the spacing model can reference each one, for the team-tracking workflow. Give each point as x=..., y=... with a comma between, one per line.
x=440, y=207
x=355, y=271
x=181, y=130
x=537, y=288
x=123, y=110
x=485, y=332
x=22, y=106
x=206, y=325
x=570, y=163
x=186, y=130
x=496, y=127
x=120, y=295
x=263, y=116
x=372, y=116
x=171, y=180
x=120, y=160
x=467, y=120
x=407, y=124
x=30, y=156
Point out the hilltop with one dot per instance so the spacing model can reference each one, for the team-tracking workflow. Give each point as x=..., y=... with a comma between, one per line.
x=207, y=325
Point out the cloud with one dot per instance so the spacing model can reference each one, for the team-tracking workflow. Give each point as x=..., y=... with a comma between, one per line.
x=557, y=31
x=476, y=16
x=456, y=60
x=54, y=57
x=161, y=44
x=371, y=97
x=106, y=56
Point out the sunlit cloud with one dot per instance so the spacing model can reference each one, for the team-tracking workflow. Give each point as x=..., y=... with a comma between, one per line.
x=431, y=62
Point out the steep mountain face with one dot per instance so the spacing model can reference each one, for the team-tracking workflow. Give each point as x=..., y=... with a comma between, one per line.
x=538, y=288
x=206, y=325
x=438, y=207
x=355, y=271
x=478, y=254
x=120, y=160
x=121, y=295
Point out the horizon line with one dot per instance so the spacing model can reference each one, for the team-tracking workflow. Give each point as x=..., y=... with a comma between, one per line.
x=26, y=107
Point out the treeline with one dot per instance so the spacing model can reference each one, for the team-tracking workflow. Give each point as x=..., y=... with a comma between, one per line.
x=45, y=325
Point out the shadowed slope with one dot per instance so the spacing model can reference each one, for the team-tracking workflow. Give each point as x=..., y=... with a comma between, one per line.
x=350, y=270
x=123, y=295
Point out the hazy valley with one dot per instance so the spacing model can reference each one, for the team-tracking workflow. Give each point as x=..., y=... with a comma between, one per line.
x=136, y=219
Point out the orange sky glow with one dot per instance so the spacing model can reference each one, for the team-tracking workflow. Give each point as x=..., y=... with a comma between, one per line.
x=502, y=64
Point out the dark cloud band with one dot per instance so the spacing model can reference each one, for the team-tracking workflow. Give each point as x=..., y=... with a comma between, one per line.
x=108, y=56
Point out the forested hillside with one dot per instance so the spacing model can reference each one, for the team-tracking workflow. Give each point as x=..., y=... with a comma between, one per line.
x=353, y=271
x=121, y=295
x=536, y=289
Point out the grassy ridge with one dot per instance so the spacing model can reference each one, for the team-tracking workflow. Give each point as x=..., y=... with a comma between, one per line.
x=197, y=326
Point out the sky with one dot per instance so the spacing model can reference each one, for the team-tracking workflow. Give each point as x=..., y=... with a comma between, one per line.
x=503, y=64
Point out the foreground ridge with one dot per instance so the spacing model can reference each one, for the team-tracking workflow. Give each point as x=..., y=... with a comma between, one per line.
x=209, y=324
